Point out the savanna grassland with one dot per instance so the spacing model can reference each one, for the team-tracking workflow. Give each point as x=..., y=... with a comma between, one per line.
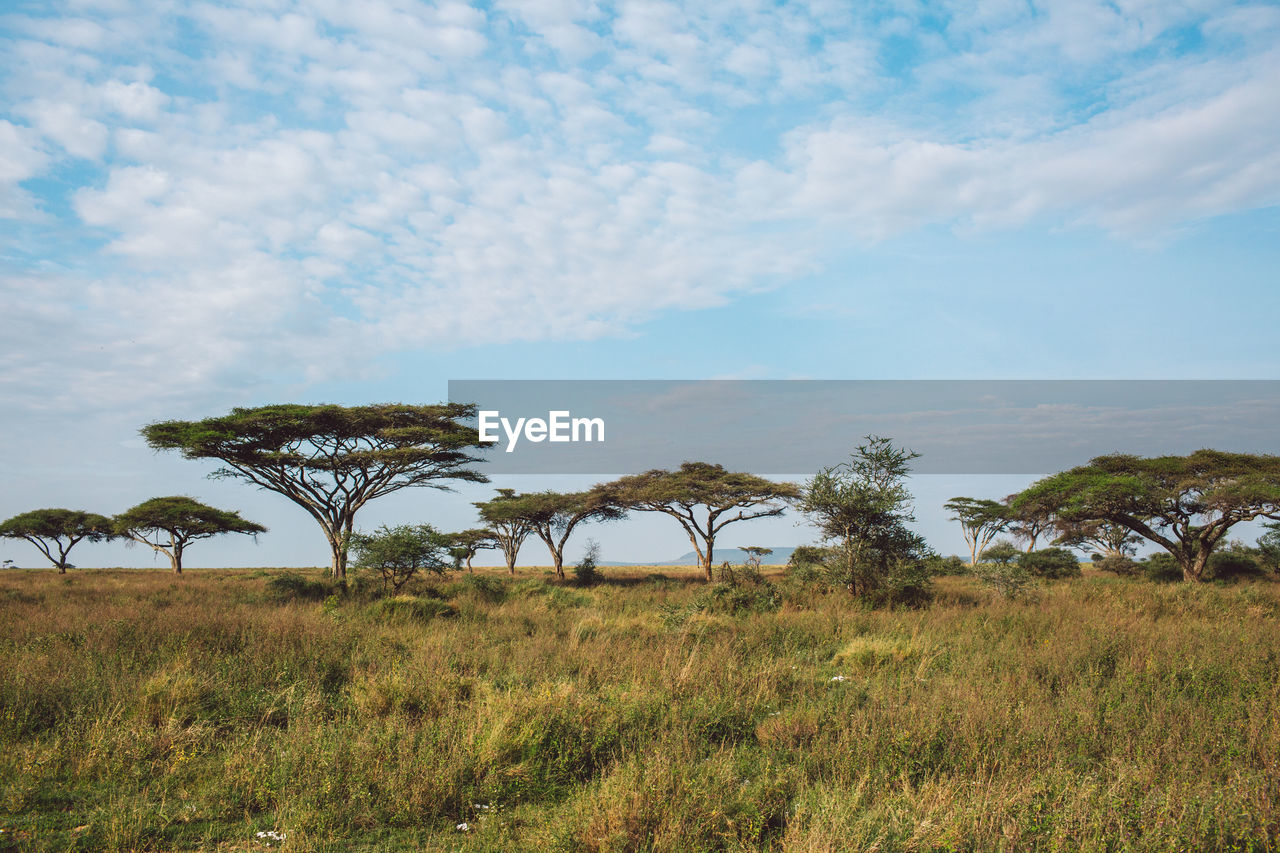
x=139, y=711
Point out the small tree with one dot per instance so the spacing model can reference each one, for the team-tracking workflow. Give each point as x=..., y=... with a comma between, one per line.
x=57, y=530
x=168, y=525
x=1269, y=546
x=331, y=460
x=980, y=520
x=464, y=546
x=863, y=506
x=508, y=523
x=1029, y=524
x=586, y=572
x=755, y=554
x=552, y=516
x=1103, y=537
x=399, y=553
x=703, y=498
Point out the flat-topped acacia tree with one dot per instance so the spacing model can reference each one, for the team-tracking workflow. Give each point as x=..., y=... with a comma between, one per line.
x=57, y=530
x=507, y=522
x=168, y=525
x=331, y=460
x=703, y=497
x=1184, y=504
x=552, y=516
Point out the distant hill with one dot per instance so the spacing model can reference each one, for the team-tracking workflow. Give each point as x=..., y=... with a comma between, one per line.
x=779, y=557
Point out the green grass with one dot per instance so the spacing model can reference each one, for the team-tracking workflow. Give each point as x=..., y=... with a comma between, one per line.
x=144, y=712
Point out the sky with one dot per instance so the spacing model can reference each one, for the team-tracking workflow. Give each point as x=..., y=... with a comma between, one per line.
x=207, y=205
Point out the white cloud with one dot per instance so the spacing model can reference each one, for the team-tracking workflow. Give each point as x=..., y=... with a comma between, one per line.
x=406, y=174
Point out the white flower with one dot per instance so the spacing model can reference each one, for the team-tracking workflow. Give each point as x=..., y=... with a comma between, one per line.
x=464, y=827
x=838, y=678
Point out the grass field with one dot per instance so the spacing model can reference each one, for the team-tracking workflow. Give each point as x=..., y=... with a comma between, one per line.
x=142, y=711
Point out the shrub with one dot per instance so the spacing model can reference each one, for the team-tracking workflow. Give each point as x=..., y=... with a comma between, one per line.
x=1118, y=564
x=411, y=608
x=1234, y=565
x=1009, y=580
x=1051, y=563
x=1002, y=553
x=940, y=566
x=293, y=586
x=1162, y=568
x=585, y=573
x=398, y=553
x=908, y=583
x=808, y=555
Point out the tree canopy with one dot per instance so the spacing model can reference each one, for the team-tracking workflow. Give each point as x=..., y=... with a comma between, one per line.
x=331, y=460
x=57, y=530
x=1184, y=504
x=703, y=497
x=507, y=521
x=168, y=525
x=981, y=520
x=552, y=516
x=465, y=544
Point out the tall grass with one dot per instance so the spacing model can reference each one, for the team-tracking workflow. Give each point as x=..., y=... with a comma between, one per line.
x=144, y=712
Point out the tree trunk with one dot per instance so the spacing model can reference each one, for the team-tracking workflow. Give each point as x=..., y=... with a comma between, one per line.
x=558, y=558
x=175, y=555
x=1193, y=568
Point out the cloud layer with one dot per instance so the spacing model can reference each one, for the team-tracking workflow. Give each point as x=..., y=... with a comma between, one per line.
x=206, y=198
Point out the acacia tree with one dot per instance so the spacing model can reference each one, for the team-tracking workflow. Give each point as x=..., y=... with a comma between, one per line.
x=981, y=520
x=178, y=521
x=553, y=516
x=507, y=522
x=702, y=497
x=465, y=544
x=57, y=530
x=331, y=460
x=863, y=506
x=1184, y=504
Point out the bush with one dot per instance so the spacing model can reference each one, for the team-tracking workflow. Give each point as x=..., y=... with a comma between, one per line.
x=1121, y=565
x=1009, y=580
x=1003, y=553
x=1161, y=568
x=1051, y=563
x=940, y=566
x=398, y=553
x=485, y=587
x=294, y=587
x=1234, y=565
x=909, y=583
x=585, y=572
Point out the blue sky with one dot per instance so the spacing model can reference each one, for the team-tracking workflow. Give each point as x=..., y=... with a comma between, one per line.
x=205, y=205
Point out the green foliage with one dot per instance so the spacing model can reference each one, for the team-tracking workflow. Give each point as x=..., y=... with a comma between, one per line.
x=1184, y=504
x=1051, y=564
x=585, y=572
x=863, y=506
x=1269, y=546
x=1002, y=552
x=56, y=531
x=168, y=525
x=1161, y=568
x=981, y=520
x=1121, y=565
x=703, y=498
x=809, y=555
x=1009, y=580
x=400, y=553
x=331, y=460
x=940, y=566
x=1235, y=564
